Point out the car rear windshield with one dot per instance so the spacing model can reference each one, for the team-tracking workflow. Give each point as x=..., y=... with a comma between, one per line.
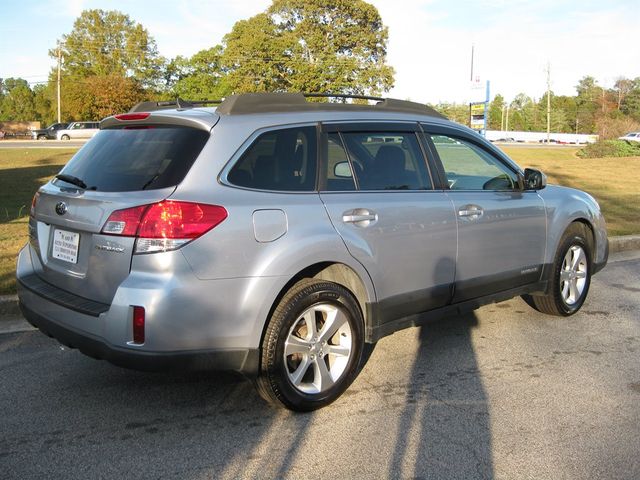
x=124, y=160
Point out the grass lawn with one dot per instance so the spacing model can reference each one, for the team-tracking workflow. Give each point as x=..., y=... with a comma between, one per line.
x=22, y=171
x=615, y=182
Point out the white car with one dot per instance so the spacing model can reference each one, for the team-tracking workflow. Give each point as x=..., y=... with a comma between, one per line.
x=631, y=137
x=78, y=130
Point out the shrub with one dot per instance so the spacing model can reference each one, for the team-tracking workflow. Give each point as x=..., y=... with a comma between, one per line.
x=610, y=148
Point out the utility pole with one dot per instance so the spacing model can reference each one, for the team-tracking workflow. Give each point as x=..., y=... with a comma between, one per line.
x=59, y=68
x=471, y=81
x=548, y=101
x=506, y=127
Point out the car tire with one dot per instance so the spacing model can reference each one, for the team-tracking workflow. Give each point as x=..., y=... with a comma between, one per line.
x=65, y=137
x=312, y=346
x=42, y=137
x=571, y=274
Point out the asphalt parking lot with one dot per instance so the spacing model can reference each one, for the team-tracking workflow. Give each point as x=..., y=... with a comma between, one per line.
x=504, y=393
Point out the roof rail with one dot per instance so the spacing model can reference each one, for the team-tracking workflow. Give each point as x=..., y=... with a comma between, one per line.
x=249, y=103
x=341, y=95
x=169, y=104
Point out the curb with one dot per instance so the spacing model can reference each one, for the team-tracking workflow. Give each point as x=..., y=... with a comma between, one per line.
x=9, y=306
x=9, y=303
x=624, y=243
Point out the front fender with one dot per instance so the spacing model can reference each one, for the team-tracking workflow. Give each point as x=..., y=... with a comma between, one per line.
x=566, y=205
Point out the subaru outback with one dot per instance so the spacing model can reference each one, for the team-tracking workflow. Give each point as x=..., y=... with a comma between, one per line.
x=276, y=236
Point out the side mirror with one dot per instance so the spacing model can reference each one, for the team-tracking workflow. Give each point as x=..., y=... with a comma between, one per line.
x=534, y=179
x=342, y=170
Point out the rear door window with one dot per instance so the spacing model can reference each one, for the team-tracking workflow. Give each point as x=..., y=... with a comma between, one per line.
x=121, y=160
x=377, y=161
x=283, y=160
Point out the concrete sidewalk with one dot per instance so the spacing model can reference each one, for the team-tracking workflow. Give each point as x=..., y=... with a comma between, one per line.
x=11, y=319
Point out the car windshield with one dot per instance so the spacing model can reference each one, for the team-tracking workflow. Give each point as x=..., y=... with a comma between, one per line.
x=136, y=159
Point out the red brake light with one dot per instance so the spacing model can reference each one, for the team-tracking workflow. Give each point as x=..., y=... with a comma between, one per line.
x=124, y=117
x=165, y=225
x=180, y=220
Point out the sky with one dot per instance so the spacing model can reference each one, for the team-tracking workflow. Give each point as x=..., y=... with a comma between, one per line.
x=430, y=41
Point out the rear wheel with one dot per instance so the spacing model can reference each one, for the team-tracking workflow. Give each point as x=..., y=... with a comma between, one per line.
x=312, y=347
x=571, y=274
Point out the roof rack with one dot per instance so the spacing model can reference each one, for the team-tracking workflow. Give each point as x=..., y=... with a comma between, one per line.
x=288, y=102
x=177, y=103
x=248, y=103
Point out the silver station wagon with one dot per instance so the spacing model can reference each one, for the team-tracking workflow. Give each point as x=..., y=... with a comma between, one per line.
x=276, y=236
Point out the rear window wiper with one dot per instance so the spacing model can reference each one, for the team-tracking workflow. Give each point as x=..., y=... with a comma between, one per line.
x=72, y=180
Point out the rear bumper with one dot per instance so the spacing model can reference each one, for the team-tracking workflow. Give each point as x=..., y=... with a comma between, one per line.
x=240, y=360
x=190, y=324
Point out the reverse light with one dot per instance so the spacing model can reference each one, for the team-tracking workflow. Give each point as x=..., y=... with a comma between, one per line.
x=125, y=117
x=164, y=226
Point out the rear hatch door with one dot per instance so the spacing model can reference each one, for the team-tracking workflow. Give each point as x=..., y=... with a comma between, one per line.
x=119, y=168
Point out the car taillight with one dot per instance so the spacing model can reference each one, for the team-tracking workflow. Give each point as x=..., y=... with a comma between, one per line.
x=127, y=117
x=164, y=226
x=34, y=202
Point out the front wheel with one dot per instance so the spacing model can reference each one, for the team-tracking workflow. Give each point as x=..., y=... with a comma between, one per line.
x=312, y=347
x=65, y=137
x=571, y=275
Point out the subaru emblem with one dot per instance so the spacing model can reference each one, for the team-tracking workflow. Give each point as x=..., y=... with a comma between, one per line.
x=61, y=208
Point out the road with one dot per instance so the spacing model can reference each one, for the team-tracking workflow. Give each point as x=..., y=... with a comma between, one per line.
x=42, y=144
x=502, y=393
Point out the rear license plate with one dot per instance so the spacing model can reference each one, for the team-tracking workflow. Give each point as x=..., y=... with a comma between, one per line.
x=65, y=246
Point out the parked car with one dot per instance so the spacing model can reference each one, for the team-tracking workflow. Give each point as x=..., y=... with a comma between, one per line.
x=631, y=137
x=48, y=133
x=78, y=130
x=276, y=237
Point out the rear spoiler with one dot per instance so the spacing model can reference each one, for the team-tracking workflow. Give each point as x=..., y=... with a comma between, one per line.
x=172, y=104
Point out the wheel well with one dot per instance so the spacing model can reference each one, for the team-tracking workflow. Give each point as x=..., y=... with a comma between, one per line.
x=589, y=234
x=332, y=272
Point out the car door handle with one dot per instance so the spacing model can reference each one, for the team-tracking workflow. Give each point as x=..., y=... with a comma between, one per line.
x=470, y=211
x=359, y=216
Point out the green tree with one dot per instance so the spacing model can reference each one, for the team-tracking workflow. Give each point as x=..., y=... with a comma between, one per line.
x=622, y=87
x=108, y=42
x=522, y=113
x=310, y=45
x=17, y=102
x=44, y=103
x=587, y=104
x=631, y=102
x=111, y=94
x=456, y=112
x=495, y=121
x=199, y=77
